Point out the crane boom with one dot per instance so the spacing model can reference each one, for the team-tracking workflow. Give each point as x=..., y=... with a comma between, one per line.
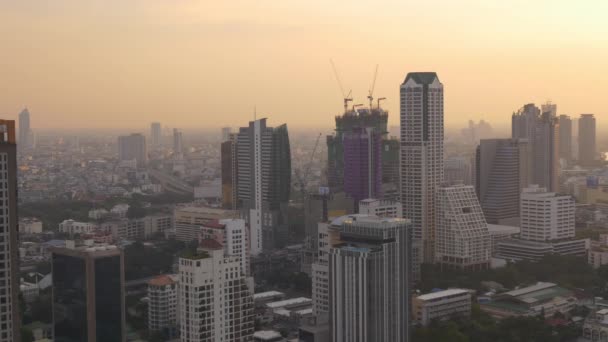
x=370, y=95
x=347, y=97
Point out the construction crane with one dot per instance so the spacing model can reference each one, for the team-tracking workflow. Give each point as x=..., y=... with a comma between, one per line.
x=380, y=99
x=304, y=178
x=357, y=105
x=370, y=94
x=347, y=97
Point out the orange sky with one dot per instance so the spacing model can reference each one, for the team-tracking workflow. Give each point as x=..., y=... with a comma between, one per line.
x=186, y=63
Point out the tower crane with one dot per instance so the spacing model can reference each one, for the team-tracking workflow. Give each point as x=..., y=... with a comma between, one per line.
x=304, y=178
x=380, y=99
x=370, y=95
x=347, y=97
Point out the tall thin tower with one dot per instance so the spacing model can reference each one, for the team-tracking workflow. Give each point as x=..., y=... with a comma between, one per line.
x=421, y=158
x=586, y=139
x=9, y=286
x=24, y=129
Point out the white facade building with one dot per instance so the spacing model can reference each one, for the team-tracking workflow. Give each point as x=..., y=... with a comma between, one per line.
x=215, y=298
x=74, y=227
x=162, y=305
x=462, y=237
x=421, y=111
x=442, y=305
x=546, y=216
x=380, y=208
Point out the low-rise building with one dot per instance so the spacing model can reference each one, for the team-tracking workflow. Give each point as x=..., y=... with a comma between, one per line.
x=547, y=298
x=501, y=232
x=518, y=249
x=595, y=327
x=74, y=227
x=442, y=305
x=268, y=336
x=28, y=225
x=381, y=208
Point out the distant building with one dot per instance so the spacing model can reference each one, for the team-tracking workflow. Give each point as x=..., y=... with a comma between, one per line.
x=25, y=131
x=88, y=294
x=531, y=301
x=155, y=135
x=586, y=139
x=369, y=274
x=133, y=147
x=442, y=305
x=229, y=172
x=421, y=107
x=189, y=220
x=162, y=304
x=381, y=208
x=462, y=237
x=206, y=280
x=502, y=171
x=226, y=132
x=30, y=226
x=565, y=138
x=72, y=227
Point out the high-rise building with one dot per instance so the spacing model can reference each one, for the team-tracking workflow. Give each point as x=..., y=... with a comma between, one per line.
x=369, y=287
x=10, y=322
x=155, y=135
x=215, y=297
x=226, y=132
x=229, y=172
x=421, y=158
x=133, y=147
x=88, y=294
x=550, y=108
x=565, y=138
x=232, y=235
x=502, y=172
x=162, y=304
x=586, y=139
x=463, y=239
x=362, y=163
x=25, y=131
x=264, y=182
x=546, y=216
x=542, y=132
x=178, y=142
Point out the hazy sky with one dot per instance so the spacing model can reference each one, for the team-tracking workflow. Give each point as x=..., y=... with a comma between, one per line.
x=187, y=63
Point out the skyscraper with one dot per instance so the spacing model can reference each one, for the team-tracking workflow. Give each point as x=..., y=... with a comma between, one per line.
x=362, y=163
x=502, y=172
x=421, y=158
x=25, y=131
x=226, y=132
x=463, y=239
x=155, y=135
x=565, y=138
x=178, y=143
x=542, y=132
x=133, y=147
x=10, y=322
x=264, y=182
x=215, y=297
x=369, y=287
x=586, y=139
x=88, y=294
x=229, y=175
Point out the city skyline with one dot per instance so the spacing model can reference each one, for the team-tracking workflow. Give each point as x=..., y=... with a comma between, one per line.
x=154, y=60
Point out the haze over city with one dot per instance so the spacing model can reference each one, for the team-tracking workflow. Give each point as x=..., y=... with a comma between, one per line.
x=119, y=64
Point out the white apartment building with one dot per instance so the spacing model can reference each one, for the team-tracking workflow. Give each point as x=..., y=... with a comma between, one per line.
x=162, y=305
x=215, y=298
x=546, y=216
x=421, y=111
x=74, y=227
x=441, y=305
x=381, y=208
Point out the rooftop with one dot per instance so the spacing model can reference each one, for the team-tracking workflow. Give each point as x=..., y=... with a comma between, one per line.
x=444, y=293
x=267, y=294
x=421, y=77
x=162, y=280
x=288, y=302
x=266, y=334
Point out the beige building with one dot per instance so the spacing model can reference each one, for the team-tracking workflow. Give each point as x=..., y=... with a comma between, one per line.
x=442, y=305
x=189, y=220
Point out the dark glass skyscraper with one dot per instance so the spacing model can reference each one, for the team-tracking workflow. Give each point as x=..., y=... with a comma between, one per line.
x=363, y=163
x=88, y=294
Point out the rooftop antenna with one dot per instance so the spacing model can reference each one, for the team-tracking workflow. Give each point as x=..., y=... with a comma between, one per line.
x=347, y=97
x=370, y=95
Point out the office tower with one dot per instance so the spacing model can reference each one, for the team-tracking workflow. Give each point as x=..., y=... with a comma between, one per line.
x=229, y=174
x=178, y=143
x=421, y=158
x=463, y=240
x=369, y=288
x=320, y=208
x=542, y=132
x=133, y=147
x=25, y=131
x=226, y=132
x=10, y=322
x=215, y=297
x=88, y=294
x=390, y=169
x=502, y=172
x=380, y=208
x=565, y=138
x=162, y=304
x=457, y=170
x=362, y=163
x=264, y=183
x=586, y=139
x=375, y=119
x=155, y=135
x=546, y=216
